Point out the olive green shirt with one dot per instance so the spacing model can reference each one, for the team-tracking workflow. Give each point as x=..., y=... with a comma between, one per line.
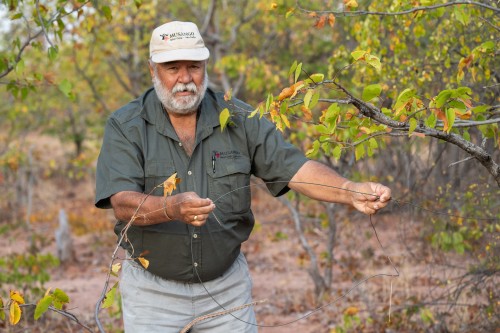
x=141, y=150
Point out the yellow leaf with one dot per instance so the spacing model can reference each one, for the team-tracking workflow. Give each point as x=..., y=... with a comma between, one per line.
x=144, y=262
x=170, y=184
x=351, y=3
x=351, y=311
x=15, y=313
x=228, y=95
x=116, y=268
x=16, y=296
x=285, y=120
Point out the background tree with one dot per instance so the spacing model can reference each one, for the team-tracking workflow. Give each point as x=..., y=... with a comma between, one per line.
x=364, y=86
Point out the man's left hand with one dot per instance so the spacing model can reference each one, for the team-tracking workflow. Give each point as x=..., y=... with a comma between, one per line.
x=369, y=197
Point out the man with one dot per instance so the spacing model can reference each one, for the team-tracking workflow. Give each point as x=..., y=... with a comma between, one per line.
x=192, y=237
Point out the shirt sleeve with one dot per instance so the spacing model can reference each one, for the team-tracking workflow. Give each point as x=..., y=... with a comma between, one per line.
x=119, y=165
x=274, y=160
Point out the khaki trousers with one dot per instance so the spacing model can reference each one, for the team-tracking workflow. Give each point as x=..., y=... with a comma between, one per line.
x=152, y=304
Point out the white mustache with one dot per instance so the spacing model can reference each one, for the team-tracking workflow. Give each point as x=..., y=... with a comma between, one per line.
x=179, y=87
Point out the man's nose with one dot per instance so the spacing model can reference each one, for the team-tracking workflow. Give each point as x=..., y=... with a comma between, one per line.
x=185, y=75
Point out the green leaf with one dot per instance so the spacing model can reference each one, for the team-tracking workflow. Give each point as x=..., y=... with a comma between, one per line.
x=16, y=16
x=42, y=306
x=322, y=129
x=443, y=97
x=65, y=86
x=254, y=112
x=20, y=66
x=359, y=152
x=315, y=78
x=404, y=96
x=59, y=298
x=461, y=15
x=450, y=116
x=224, y=118
x=52, y=53
x=358, y=54
x=337, y=152
x=2, y=312
x=413, y=124
x=371, y=91
x=373, y=143
x=431, y=121
x=292, y=69
x=269, y=101
x=109, y=299
x=374, y=62
x=314, y=100
x=426, y=316
x=308, y=97
x=480, y=109
x=314, y=150
x=298, y=70
x=106, y=11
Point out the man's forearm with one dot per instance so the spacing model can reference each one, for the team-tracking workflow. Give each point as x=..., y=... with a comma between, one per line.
x=332, y=186
x=146, y=210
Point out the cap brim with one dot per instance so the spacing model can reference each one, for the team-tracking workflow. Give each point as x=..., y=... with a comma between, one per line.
x=181, y=54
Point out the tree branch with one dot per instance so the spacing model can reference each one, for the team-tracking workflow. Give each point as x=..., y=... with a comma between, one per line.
x=370, y=111
x=404, y=12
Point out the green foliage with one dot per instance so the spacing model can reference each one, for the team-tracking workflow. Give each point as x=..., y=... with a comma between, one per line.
x=468, y=229
x=57, y=299
x=30, y=271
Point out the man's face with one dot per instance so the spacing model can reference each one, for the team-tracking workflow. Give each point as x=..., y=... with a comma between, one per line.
x=180, y=85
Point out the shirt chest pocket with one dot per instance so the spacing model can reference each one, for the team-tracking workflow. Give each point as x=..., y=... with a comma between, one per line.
x=156, y=173
x=229, y=185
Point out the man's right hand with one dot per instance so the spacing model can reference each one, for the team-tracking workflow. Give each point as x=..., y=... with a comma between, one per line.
x=189, y=208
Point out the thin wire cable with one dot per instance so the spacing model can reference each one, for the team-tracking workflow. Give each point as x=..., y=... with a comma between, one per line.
x=317, y=309
x=357, y=284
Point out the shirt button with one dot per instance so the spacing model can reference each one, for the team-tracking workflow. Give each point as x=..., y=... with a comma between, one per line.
x=190, y=173
x=195, y=236
x=195, y=264
x=180, y=144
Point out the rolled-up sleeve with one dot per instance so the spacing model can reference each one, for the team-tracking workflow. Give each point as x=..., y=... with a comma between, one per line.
x=274, y=160
x=119, y=165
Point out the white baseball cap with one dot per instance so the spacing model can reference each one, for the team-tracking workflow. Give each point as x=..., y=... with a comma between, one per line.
x=177, y=40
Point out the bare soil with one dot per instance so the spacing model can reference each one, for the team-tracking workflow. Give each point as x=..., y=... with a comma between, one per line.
x=278, y=263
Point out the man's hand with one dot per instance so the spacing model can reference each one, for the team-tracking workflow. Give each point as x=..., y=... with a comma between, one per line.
x=368, y=197
x=189, y=208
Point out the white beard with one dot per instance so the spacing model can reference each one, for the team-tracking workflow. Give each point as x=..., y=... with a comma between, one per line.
x=182, y=105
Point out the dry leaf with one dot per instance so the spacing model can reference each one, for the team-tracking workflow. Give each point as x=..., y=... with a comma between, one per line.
x=170, y=184
x=144, y=262
x=307, y=112
x=228, y=95
x=286, y=92
x=321, y=22
x=331, y=20
x=351, y=311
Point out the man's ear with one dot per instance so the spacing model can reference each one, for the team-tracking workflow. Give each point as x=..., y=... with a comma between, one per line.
x=151, y=68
